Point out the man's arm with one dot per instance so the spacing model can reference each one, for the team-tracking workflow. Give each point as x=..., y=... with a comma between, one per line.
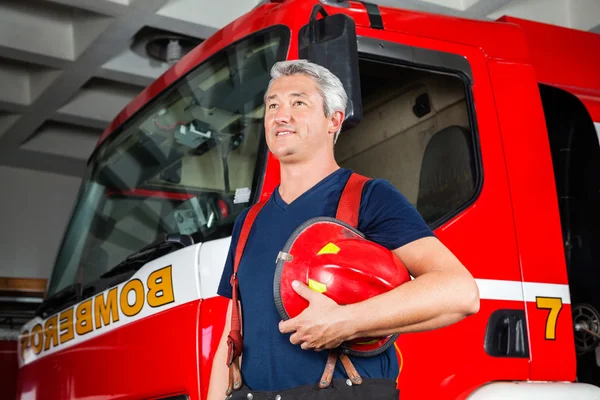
x=442, y=293
x=219, y=375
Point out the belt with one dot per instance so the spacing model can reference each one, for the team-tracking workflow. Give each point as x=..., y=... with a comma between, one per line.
x=371, y=389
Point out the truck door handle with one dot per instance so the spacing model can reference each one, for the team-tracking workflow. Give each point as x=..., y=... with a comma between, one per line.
x=506, y=334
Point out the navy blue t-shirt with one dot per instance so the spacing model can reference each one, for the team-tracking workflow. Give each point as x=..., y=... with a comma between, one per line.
x=269, y=360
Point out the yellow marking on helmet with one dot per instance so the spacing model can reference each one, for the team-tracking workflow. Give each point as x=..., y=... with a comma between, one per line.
x=329, y=248
x=317, y=286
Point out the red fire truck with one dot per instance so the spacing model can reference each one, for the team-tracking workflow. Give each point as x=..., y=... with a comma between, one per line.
x=488, y=127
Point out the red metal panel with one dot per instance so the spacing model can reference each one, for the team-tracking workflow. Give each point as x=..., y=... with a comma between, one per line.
x=449, y=363
x=271, y=178
x=152, y=357
x=592, y=103
x=8, y=369
x=563, y=57
x=498, y=40
x=534, y=199
x=531, y=176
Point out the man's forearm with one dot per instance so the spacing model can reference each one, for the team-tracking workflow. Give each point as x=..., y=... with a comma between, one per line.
x=219, y=376
x=219, y=373
x=434, y=323
x=431, y=301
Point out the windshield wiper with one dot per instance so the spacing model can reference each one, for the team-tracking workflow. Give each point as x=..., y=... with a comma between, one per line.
x=161, y=247
x=60, y=300
x=74, y=293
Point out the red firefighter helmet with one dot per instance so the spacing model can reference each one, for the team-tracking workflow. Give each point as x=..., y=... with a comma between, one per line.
x=335, y=259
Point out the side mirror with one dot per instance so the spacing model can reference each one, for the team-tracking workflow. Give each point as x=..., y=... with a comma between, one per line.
x=331, y=42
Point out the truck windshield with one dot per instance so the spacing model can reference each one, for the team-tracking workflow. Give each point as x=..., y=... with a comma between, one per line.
x=185, y=164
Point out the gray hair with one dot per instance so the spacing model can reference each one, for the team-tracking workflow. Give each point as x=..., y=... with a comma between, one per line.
x=330, y=87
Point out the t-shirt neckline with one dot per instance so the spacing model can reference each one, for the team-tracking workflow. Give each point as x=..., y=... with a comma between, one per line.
x=283, y=205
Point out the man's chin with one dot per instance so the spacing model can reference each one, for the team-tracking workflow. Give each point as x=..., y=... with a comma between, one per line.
x=286, y=155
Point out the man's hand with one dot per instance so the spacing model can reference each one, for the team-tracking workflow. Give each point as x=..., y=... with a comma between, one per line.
x=322, y=325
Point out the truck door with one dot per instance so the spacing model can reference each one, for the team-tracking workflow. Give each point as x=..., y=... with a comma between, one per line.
x=430, y=127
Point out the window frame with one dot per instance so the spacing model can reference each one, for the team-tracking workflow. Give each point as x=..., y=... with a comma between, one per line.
x=434, y=61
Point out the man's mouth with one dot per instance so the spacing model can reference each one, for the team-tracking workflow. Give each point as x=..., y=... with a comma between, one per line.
x=283, y=133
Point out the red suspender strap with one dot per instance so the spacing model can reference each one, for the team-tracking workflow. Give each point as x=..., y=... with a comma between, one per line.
x=235, y=337
x=235, y=342
x=349, y=205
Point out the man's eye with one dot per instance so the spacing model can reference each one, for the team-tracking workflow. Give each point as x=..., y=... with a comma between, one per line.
x=298, y=102
x=271, y=106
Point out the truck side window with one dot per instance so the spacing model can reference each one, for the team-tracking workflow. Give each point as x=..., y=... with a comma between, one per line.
x=416, y=133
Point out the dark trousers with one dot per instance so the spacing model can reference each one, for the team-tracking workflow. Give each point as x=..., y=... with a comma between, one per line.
x=372, y=389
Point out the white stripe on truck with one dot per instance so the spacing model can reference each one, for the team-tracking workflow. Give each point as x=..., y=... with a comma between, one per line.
x=493, y=289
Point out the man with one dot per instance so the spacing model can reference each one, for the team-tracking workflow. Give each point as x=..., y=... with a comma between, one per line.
x=305, y=105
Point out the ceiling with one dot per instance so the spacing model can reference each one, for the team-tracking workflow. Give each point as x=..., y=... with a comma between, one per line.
x=68, y=67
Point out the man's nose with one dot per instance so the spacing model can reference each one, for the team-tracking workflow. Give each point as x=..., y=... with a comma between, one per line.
x=283, y=115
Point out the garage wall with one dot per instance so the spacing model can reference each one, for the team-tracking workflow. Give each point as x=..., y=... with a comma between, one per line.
x=35, y=208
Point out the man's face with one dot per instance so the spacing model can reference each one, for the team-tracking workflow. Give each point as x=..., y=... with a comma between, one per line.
x=296, y=128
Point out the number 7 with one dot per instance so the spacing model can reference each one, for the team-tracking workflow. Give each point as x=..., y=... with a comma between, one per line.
x=554, y=304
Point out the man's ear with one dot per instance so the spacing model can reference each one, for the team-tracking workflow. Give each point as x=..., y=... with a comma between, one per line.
x=335, y=121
